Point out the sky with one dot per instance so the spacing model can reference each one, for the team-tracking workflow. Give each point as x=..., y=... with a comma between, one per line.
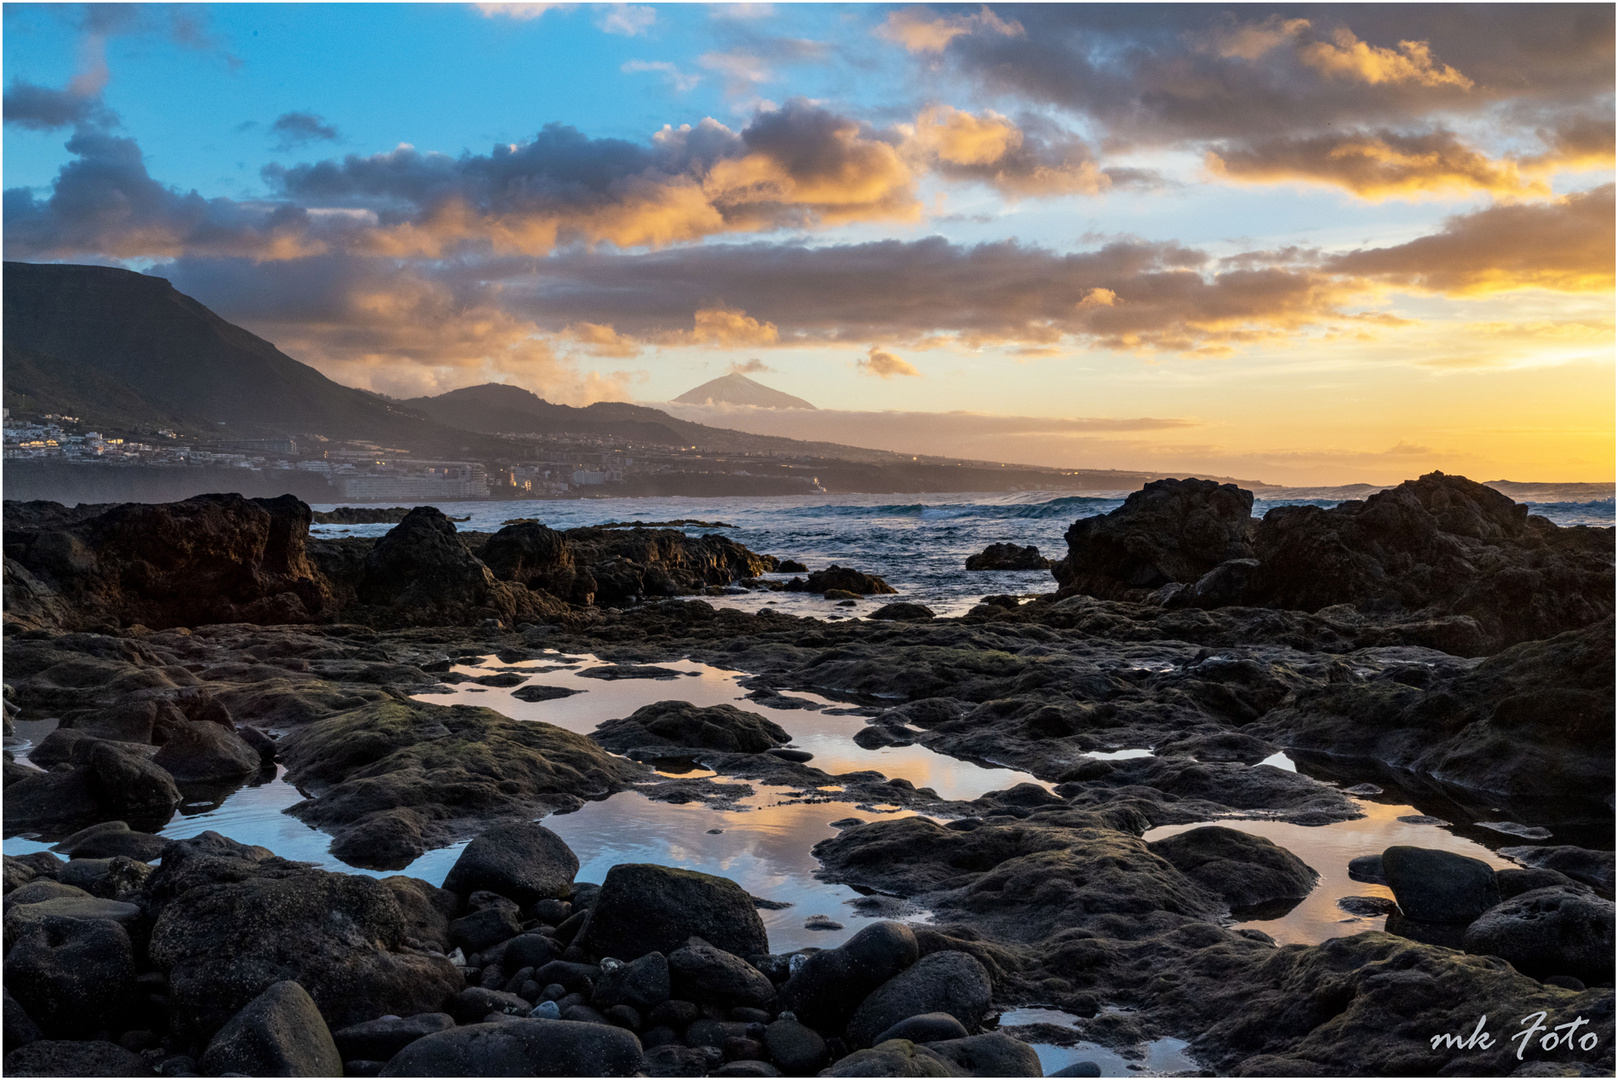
x=1306, y=244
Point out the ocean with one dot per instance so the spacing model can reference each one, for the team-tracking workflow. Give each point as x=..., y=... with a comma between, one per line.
x=918, y=544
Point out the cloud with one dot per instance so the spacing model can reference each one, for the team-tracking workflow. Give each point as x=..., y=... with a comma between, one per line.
x=884, y=365
x=1036, y=158
x=1578, y=141
x=519, y=11
x=1347, y=57
x=628, y=20
x=301, y=128
x=752, y=366
x=1565, y=245
x=1253, y=40
x=728, y=327
x=919, y=29
x=398, y=330
x=1375, y=165
x=39, y=108
x=679, y=80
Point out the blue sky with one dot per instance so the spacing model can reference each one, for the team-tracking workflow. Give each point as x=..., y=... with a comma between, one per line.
x=1290, y=243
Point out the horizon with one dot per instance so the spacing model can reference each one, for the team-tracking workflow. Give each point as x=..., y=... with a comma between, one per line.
x=1321, y=246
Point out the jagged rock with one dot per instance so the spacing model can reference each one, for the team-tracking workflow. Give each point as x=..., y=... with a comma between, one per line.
x=645, y=908
x=540, y=558
x=679, y=723
x=1008, y=557
x=278, y=1033
x=845, y=579
x=902, y=612
x=644, y=983
x=1170, y=530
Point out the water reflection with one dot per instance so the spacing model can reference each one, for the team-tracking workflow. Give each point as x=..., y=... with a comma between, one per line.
x=1156, y=1057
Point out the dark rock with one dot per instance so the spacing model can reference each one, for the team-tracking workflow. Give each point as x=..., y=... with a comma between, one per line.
x=830, y=985
x=537, y=692
x=568, y=974
x=623, y=1016
x=94, y=1058
x=746, y=1068
x=791, y=566
x=1559, y=930
x=848, y=580
x=340, y=937
x=902, y=612
x=1514, y=881
x=521, y=1048
x=702, y=972
x=643, y=983
x=1367, y=868
x=524, y=861
x=994, y=1054
x=110, y=879
x=200, y=752
x=1170, y=530
x=1581, y=864
x=70, y=975
x=20, y=1028
x=799, y=756
x=389, y=839
x=550, y=912
x=583, y=1014
x=928, y=1027
x=1367, y=906
x=674, y=1059
x=706, y=1032
x=481, y=929
x=616, y=672
x=797, y=1048
x=110, y=838
x=949, y=982
x=476, y=1002
x=1439, y=886
x=679, y=723
x=531, y=950
x=1079, y=1068
x=646, y=908
x=380, y=1040
x=540, y=558
x=1246, y=870
x=1449, y=935
x=1228, y=583
x=278, y=1033
x=105, y=782
x=1008, y=557
x=675, y=1013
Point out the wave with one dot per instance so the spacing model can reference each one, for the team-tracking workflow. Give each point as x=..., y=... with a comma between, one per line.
x=1066, y=506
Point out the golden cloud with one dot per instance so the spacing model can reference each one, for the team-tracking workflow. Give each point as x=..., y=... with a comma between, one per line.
x=884, y=365
x=1253, y=40
x=1347, y=57
x=1375, y=165
x=1565, y=245
x=991, y=148
x=919, y=29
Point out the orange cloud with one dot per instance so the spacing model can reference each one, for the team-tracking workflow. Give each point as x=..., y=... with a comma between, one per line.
x=1565, y=245
x=990, y=148
x=1375, y=165
x=919, y=29
x=601, y=340
x=884, y=365
x=1253, y=40
x=1347, y=57
x=728, y=327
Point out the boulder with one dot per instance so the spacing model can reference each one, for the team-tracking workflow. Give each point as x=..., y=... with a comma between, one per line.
x=1169, y=531
x=701, y=972
x=104, y=781
x=198, y=751
x=679, y=723
x=530, y=554
x=19, y=1026
x=61, y=1058
x=278, y=1033
x=479, y=930
x=379, y=1040
x=848, y=580
x=950, y=982
x=895, y=1058
x=1581, y=864
x=797, y=1048
x=110, y=838
x=70, y=975
x=829, y=986
x=1560, y=930
x=1439, y=886
x=1246, y=870
x=902, y=612
x=521, y=1048
x=340, y=937
x=926, y=1028
x=994, y=1054
x=524, y=861
x=1008, y=557
x=388, y=839
x=646, y=908
x=644, y=983
x=110, y=879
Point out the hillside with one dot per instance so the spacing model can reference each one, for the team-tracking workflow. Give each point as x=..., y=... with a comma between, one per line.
x=738, y=389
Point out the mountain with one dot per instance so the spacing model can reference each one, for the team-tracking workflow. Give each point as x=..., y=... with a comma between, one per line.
x=738, y=389
x=500, y=407
x=101, y=342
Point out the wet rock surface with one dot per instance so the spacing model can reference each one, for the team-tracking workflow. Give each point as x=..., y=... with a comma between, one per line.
x=1134, y=712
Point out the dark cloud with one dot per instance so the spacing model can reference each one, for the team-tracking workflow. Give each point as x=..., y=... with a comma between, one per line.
x=39, y=108
x=296, y=129
x=1376, y=164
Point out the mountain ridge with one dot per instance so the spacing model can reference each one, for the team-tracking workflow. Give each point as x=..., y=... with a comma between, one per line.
x=737, y=389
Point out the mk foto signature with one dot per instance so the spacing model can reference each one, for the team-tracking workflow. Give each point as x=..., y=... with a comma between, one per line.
x=1562, y=1036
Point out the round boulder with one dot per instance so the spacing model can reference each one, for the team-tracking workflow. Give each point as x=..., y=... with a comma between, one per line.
x=521, y=1048
x=524, y=861
x=645, y=908
x=1561, y=930
x=1246, y=870
x=1439, y=886
x=949, y=982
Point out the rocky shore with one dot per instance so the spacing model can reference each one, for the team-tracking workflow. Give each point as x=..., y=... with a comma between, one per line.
x=1435, y=633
